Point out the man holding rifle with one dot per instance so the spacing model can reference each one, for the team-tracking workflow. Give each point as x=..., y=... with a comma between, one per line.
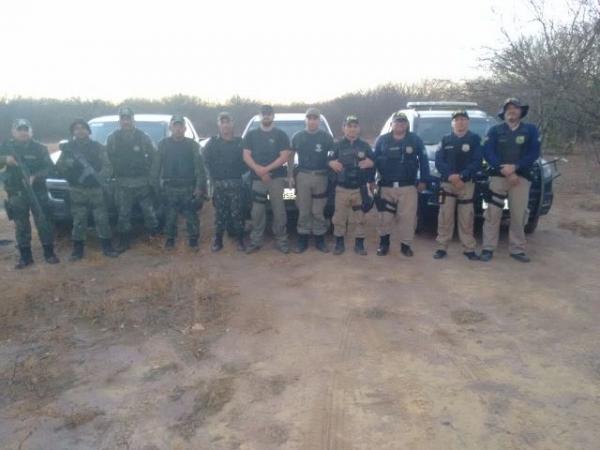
x=85, y=165
x=27, y=165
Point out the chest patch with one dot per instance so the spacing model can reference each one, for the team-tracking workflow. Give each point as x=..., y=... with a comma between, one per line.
x=136, y=148
x=409, y=150
x=520, y=140
x=318, y=148
x=360, y=155
x=466, y=147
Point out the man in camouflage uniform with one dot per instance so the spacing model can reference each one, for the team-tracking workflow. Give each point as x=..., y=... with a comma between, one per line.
x=22, y=149
x=85, y=165
x=223, y=156
x=131, y=154
x=178, y=172
x=312, y=146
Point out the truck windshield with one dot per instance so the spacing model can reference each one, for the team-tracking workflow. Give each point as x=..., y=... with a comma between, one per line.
x=432, y=129
x=156, y=130
x=290, y=127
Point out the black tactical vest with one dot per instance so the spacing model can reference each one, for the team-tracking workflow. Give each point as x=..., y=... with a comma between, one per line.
x=457, y=151
x=129, y=156
x=178, y=161
x=311, y=152
x=398, y=161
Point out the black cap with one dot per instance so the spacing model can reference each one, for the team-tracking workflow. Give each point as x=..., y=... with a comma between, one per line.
x=125, y=111
x=177, y=118
x=351, y=119
x=515, y=102
x=21, y=123
x=460, y=113
x=81, y=122
x=266, y=110
x=224, y=115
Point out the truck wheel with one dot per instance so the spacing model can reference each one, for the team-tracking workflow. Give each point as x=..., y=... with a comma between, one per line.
x=531, y=225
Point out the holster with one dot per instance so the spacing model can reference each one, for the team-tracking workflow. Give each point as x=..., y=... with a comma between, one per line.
x=366, y=198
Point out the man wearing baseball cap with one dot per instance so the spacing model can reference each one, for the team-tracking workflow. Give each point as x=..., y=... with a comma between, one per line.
x=403, y=168
x=23, y=149
x=312, y=146
x=511, y=148
x=457, y=159
x=131, y=153
x=178, y=172
x=352, y=161
x=266, y=150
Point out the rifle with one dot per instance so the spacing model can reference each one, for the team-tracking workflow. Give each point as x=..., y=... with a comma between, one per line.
x=88, y=171
x=33, y=200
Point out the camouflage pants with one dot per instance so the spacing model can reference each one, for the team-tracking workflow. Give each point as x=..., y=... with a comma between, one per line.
x=179, y=200
x=229, y=210
x=84, y=200
x=20, y=206
x=127, y=197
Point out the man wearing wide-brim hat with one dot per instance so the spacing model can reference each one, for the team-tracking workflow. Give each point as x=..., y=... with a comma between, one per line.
x=510, y=150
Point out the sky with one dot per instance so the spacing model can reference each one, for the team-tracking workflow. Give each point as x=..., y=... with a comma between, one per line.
x=278, y=51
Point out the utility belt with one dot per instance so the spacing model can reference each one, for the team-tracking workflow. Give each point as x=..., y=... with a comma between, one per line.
x=525, y=173
x=313, y=172
x=443, y=194
x=395, y=184
x=179, y=183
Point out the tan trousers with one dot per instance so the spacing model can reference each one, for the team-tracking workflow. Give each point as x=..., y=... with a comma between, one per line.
x=311, y=197
x=348, y=213
x=518, y=200
x=448, y=211
x=405, y=200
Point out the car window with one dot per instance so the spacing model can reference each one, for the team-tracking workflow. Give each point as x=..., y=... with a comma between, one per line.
x=290, y=127
x=156, y=130
x=432, y=129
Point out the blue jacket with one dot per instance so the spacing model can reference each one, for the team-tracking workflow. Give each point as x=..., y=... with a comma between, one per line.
x=501, y=140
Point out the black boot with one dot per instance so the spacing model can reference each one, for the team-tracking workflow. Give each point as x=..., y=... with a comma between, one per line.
x=302, y=244
x=123, y=244
x=77, y=252
x=193, y=243
x=217, y=244
x=320, y=244
x=107, y=248
x=359, y=246
x=240, y=244
x=25, y=258
x=339, y=245
x=384, y=245
x=49, y=254
x=406, y=250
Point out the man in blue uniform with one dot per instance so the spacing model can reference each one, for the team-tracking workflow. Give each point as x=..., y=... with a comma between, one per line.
x=457, y=159
x=511, y=149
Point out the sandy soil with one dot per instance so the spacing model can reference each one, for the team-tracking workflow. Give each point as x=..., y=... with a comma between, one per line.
x=308, y=352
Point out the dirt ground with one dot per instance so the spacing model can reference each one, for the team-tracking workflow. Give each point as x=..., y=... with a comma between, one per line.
x=308, y=352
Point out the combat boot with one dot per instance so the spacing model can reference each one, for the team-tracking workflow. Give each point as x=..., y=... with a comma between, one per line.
x=406, y=250
x=107, y=248
x=240, y=244
x=123, y=244
x=384, y=245
x=77, y=252
x=320, y=244
x=359, y=246
x=193, y=243
x=302, y=244
x=49, y=254
x=25, y=258
x=339, y=245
